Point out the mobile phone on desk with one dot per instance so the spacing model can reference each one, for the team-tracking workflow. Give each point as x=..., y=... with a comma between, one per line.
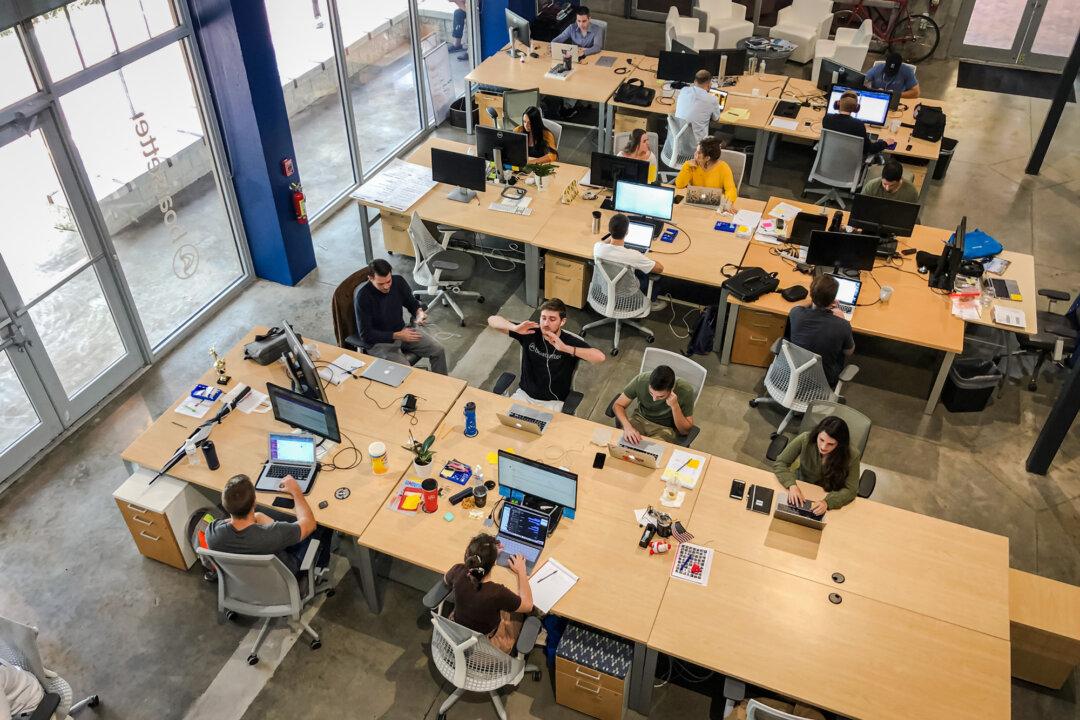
x=908, y=251
x=738, y=488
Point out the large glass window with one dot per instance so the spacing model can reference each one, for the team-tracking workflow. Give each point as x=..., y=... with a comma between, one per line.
x=17, y=414
x=16, y=82
x=442, y=22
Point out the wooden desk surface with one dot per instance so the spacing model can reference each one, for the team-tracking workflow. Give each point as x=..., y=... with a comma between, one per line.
x=587, y=82
x=1022, y=270
x=935, y=568
x=242, y=445
x=861, y=658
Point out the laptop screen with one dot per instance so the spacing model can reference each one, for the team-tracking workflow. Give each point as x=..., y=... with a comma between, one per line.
x=292, y=448
x=520, y=523
x=848, y=292
x=639, y=236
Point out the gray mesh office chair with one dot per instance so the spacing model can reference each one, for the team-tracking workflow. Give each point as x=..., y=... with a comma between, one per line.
x=615, y=293
x=795, y=379
x=679, y=146
x=440, y=271
x=261, y=586
x=685, y=369
x=19, y=647
x=515, y=103
x=839, y=164
x=758, y=711
x=737, y=162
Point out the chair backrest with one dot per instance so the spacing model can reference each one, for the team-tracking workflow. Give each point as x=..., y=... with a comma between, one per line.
x=858, y=424
x=425, y=248
x=19, y=647
x=601, y=26
x=796, y=377
x=811, y=11
x=556, y=130
x=839, y=159
x=863, y=34
x=737, y=162
x=684, y=367
x=758, y=711
x=620, y=139
x=614, y=290
x=256, y=585
x=515, y=103
x=680, y=144
x=342, y=306
x=715, y=9
x=465, y=657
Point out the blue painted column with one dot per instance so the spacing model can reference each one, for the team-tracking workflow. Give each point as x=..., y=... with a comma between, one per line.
x=234, y=39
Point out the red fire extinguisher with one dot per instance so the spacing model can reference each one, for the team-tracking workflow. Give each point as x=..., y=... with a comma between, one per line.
x=299, y=206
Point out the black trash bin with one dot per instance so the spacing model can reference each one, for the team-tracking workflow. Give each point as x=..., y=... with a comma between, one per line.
x=970, y=384
x=458, y=114
x=948, y=147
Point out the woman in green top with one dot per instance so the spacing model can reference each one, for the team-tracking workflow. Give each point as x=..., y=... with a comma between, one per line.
x=823, y=456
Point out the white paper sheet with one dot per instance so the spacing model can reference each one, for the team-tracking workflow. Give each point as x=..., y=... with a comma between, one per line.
x=338, y=371
x=749, y=218
x=550, y=583
x=784, y=123
x=683, y=467
x=786, y=211
x=1009, y=316
x=194, y=408
x=397, y=186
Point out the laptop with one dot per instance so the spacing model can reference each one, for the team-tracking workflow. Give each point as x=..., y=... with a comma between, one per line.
x=386, y=372
x=645, y=454
x=847, y=295
x=522, y=532
x=639, y=237
x=525, y=418
x=561, y=51
x=706, y=196
x=799, y=514
x=289, y=455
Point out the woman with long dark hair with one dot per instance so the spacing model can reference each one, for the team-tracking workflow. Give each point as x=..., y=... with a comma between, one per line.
x=541, y=140
x=824, y=457
x=638, y=148
x=488, y=607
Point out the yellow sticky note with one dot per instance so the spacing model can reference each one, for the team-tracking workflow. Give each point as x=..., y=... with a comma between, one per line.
x=411, y=502
x=492, y=458
x=510, y=450
x=694, y=463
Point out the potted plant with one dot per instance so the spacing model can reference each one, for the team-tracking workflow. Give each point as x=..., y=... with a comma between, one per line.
x=540, y=171
x=422, y=455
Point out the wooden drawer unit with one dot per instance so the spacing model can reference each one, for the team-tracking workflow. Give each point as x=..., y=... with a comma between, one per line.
x=755, y=333
x=395, y=230
x=588, y=691
x=567, y=278
x=157, y=516
x=592, y=671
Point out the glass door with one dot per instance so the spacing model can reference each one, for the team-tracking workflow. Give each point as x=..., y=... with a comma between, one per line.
x=1035, y=34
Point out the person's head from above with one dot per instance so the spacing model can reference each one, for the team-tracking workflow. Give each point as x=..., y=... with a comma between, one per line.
x=480, y=557
x=703, y=78
x=833, y=443
x=581, y=17
x=533, y=123
x=552, y=315
x=708, y=151
x=238, y=497
x=893, y=63
x=823, y=291
x=661, y=382
x=848, y=102
x=618, y=226
x=382, y=275
x=638, y=143
x=892, y=176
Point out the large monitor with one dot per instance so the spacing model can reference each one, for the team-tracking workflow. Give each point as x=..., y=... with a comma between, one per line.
x=847, y=251
x=305, y=378
x=537, y=479
x=314, y=416
x=882, y=216
x=677, y=66
x=519, y=30
x=943, y=276
x=605, y=170
x=724, y=61
x=873, y=105
x=833, y=73
x=512, y=146
x=467, y=172
x=652, y=201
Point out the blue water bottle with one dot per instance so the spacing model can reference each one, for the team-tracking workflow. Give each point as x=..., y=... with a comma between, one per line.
x=470, y=419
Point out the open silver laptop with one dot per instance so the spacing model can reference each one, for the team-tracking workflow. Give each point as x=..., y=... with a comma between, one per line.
x=639, y=236
x=847, y=295
x=522, y=532
x=645, y=454
x=386, y=372
x=288, y=454
x=525, y=418
x=800, y=515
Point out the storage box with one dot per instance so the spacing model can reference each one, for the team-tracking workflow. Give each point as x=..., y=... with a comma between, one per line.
x=567, y=278
x=592, y=670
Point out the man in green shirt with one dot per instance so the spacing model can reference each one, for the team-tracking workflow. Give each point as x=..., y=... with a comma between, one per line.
x=665, y=406
x=891, y=185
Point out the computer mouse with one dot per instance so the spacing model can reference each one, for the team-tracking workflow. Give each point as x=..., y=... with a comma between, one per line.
x=534, y=55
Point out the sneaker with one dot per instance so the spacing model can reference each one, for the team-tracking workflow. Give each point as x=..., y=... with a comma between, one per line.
x=454, y=48
x=658, y=305
x=463, y=56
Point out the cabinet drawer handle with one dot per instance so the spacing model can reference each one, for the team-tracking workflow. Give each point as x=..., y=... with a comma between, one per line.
x=562, y=277
x=595, y=677
x=136, y=508
x=587, y=689
x=758, y=338
x=141, y=521
x=148, y=536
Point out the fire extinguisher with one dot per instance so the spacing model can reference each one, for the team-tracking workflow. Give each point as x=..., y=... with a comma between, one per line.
x=299, y=206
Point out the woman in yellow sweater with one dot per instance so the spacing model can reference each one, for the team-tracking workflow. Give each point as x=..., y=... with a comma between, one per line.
x=708, y=170
x=541, y=141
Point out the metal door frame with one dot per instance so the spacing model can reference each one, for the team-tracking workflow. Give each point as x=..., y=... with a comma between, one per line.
x=1019, y=53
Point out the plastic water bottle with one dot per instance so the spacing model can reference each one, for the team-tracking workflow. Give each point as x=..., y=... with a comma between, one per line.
x=470, y=420
x=478, y=475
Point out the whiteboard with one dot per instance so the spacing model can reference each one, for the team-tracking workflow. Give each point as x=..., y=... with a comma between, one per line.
x=440, y=83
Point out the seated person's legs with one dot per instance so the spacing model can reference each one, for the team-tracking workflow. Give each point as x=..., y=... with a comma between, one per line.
x=389, y=351
x=509, y=628
x=430, y=348
x=652, y=429
x=554, y=406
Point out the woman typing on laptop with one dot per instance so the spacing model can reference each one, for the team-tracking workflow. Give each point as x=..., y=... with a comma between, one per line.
x=486, y=606
x=824, y=457
x=708, y=170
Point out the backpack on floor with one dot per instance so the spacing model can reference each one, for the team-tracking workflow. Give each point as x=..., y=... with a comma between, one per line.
x=704, y=332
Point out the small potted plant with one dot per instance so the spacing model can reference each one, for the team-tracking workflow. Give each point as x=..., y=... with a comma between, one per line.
x=422, y=455
x=541, y=171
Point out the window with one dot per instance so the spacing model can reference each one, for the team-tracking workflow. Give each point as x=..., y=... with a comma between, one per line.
x=16, y=82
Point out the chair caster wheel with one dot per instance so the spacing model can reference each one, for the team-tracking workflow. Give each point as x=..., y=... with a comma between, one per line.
x=330, y=592
x=316, y=644
x=753, y=403
x=536, y=676
x=94, y=701
x=1032, y=386
x=774, y=435
x=252, y=659
x=614, y=351
x=440, y=716
x=462, y=323
x=480, y=300
x=230, y=615
x=650, y=339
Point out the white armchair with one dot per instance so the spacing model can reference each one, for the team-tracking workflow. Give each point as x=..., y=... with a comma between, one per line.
x=803, y=23
x=725, y=19
x=848, y=48
x=686, y=30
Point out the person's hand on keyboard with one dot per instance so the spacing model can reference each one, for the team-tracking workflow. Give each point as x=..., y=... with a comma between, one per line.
x=837, y=311
x=517, y=565
x=288, y=484
x=795, y=496
x=819, y=507
x=631, y=435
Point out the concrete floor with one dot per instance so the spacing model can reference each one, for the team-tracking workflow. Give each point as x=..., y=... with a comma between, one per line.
x=145, y=636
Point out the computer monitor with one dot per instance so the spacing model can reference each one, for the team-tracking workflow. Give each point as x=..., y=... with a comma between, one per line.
x=519, y=29
x=873, y=105
x=513, y=147
x=833, y=73
x=605, y=170
x=882, y=216
x=651, y=201
x=724, y=61
x=804, y=225
x=848, y=251
x=305, y=379
x=467, y=172
x=537, y=479
x=943, y=276
x=677, y=66
x=313, y=416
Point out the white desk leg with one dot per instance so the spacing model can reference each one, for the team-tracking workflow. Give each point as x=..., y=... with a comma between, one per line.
x=532, y=275
x=731, y=311
x=758, y=163
x=926, y=180
x=365, y=232
x=939, y=382
x=468, y=108
x=642, y=672
x=601, y=126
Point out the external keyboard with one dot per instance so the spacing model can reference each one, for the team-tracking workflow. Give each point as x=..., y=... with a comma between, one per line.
x=512, y=209
x=525, y=418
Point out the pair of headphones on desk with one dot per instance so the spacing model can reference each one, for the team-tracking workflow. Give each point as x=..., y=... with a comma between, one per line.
x=848, y=94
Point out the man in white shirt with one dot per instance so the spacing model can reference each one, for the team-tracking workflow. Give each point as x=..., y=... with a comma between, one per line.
x=20, y=691
x=613, y=249
x=696, y=104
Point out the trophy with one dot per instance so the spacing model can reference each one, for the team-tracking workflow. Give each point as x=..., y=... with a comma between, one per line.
x=219, y=365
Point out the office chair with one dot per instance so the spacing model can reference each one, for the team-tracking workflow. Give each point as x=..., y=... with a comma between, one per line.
x=679, y=147
x=725, y=21
x=1057, y=336
x=438, y=270
x=796, y=378
x=759, y=711
x=556, y=130
x=615, y=293
x=803, y=23
x=848, y=47
x=858, y=428
x=343, y=310
x=515, y=103
x=261, y=586
x=685, y=369
x=686, y=30
x=505, y=382
x=19, y=647
x=737, y=162
x=839, y=164
x=469, y=661
x=601, y=26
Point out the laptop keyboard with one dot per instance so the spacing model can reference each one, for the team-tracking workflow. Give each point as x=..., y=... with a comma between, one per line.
x=512, y=547
x=639, y=449
x=277, y=470
x=525, y=418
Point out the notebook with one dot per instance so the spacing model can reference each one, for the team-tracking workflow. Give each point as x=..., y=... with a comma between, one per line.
x=549, y=583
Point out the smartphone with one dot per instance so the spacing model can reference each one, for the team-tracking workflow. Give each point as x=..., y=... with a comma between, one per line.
x=598, y=460
x=738, y=487
x=908, y=251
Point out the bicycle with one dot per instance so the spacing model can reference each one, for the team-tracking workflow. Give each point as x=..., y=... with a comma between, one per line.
x=914, y=36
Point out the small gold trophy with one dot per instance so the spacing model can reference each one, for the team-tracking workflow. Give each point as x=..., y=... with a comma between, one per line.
x=219, y=365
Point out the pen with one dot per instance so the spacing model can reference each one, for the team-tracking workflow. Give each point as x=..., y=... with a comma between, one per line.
x=685, y=562
x=683, y=465
x=553, y=572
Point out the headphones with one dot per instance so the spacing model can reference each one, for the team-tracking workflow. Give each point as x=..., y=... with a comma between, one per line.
x=848, y=94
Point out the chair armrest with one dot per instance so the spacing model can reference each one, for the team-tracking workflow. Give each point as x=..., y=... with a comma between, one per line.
x=1054, y=295
x=437, y=594
x=443, y=264
x=848, y=374
x=687, y=439
x=570, y=405
x=355, y=343
x=844, y=36
x=309, y=555
x=775, y=349
x=503, y=383
x=776, y=447
x=867, y=483
x=610, y=411
x=46, y=708
x=527, y=637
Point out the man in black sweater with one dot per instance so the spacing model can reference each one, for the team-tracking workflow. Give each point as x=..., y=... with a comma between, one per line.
x=844, y=121
x=379, y=305
x=821, y=328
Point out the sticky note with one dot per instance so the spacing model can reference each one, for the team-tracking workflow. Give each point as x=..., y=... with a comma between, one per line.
x=448, y=516
x=492, y=458
x=510, y=450
x=410, y=502
x=694, y=463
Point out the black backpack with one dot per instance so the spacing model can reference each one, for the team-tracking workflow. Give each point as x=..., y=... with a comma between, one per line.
x=701, y=339
x=929, y=123
x=634, y=92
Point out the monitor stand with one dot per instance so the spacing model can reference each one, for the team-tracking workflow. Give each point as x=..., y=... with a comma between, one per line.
x=500, y=171
x=462, y=195
x=296, y=378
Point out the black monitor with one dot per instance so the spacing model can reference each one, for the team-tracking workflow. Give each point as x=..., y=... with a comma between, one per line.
x=605, y=170
x=513, y=146
x=677, y=66
x=519, y=30
x=848, y=251
x=651, y=201
x=725, y=61
x=882, y=216
x=467, y=172
x=943, y=276
x=678, y=47
x=305, y=378
x=313, y=416
x=537, y=479
x=833, y=73
x=803, y=225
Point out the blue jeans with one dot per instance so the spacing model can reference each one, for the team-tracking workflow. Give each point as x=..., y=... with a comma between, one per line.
x=459, y=25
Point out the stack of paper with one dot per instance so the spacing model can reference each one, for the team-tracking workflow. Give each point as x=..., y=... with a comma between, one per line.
x=341, y=369
x=685, y=467
x=746, y=219
x=1012, y=317
x=784, y=123
x=550, y=583
x=786, y=211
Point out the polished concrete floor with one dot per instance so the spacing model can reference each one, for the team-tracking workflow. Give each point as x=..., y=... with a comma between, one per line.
x=145, y=636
